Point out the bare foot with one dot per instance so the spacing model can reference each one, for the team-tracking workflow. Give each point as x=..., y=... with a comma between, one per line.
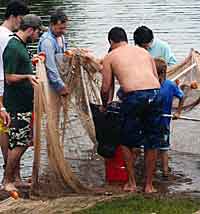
x=129, y=188
x=150, y=189
x=10, y=187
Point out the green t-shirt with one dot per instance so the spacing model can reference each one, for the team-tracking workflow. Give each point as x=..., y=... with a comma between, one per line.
x=18, y=97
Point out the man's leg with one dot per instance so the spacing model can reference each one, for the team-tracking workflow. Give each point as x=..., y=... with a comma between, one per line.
x=14, y=157
x=18, y=181
x=164, y=161
x=130, y=158
x=4, y=148
x=150, y=163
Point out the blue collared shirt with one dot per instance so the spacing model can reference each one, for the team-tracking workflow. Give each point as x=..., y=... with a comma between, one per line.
x=161, y=49
x=48, y=44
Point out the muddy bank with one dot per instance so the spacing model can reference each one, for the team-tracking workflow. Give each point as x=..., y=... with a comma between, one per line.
x=67, y=205
x=184, y=181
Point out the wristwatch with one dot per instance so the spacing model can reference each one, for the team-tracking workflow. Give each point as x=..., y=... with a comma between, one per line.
x=2, y=109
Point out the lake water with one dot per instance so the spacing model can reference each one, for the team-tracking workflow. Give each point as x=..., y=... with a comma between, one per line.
x=175, y=21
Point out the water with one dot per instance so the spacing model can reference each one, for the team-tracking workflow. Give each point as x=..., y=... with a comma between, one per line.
x=175, y=21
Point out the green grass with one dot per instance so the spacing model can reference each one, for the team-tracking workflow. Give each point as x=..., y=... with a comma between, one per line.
x=142, y=205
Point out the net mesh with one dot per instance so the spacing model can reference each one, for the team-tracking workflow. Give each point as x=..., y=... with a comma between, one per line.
x=185, y=134
x=187, y=75
x=64, y=134
x=64, y=140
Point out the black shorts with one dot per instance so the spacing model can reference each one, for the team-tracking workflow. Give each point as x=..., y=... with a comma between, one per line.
x=20, y=131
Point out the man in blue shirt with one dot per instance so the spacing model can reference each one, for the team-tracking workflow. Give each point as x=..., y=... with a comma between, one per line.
x=143, y=37
x=52, y=43
x=168, y=91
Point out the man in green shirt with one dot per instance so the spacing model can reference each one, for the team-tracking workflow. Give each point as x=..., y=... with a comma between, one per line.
x=14, y=11
x=18, y=96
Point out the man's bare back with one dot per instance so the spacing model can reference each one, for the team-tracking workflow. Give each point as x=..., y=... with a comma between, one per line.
x=133, y=67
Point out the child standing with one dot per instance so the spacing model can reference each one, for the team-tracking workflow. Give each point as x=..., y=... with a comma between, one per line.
x=168, y=91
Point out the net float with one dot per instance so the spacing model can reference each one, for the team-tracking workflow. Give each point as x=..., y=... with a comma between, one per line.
x=68, y=53
x=14, y=194
x=194, y=85
x=177, y=81
x=35, y=60
x=42, y=56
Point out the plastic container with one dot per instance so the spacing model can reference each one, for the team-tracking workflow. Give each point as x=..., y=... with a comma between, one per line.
x=115, y=168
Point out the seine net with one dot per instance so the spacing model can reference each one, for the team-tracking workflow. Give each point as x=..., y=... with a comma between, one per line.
x=187, y=76
x=65, y=158
x=64, y=135
x=185, y=133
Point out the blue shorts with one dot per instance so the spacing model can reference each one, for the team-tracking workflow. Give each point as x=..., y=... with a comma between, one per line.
x=140, y=119
x=165, y=136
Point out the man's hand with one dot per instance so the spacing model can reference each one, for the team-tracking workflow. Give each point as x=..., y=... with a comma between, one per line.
x=64, y=91
x=176, y=116
x=5, y=117
x=33, y=80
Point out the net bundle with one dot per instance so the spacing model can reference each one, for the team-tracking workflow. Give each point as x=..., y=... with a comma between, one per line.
x=185, y=133
x=64, y=134
x=187, y=76
x=65, y=158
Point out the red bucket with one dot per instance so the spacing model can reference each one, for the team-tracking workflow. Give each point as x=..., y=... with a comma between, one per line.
x=115, y=168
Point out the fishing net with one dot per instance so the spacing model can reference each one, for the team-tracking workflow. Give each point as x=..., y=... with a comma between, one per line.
x=64, y=135
x=187, y=76
x=185, y=133
x=65, y=158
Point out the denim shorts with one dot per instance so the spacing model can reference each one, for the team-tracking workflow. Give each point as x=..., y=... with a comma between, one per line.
x=165, y=137
x=140, y=119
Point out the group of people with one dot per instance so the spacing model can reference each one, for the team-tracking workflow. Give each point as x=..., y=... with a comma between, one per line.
x=146, y=92
x=17, y=80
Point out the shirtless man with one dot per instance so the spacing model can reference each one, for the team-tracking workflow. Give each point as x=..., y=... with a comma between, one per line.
x=141, y=107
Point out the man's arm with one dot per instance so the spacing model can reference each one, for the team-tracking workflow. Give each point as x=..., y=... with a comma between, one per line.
x=13, y=78
x=180, y=95
x=154, y=68
x=3, y=114
x=52, y=70
x=169, y=56
x=107, y=88
x=177, y=114
x=112, y=90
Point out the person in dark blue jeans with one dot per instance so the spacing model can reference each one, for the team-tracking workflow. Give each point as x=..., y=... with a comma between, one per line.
x=168, y=91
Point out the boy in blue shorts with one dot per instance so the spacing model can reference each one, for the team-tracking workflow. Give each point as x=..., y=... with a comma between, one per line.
x=168, y=91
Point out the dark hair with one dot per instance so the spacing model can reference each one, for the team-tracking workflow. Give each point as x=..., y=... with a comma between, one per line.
x=16, y=8
x=31, y=20
x=58, y=15
x=117, y=34
x=142, y=35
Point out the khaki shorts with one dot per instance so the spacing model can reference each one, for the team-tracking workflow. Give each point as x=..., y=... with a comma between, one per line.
x=3, y=129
